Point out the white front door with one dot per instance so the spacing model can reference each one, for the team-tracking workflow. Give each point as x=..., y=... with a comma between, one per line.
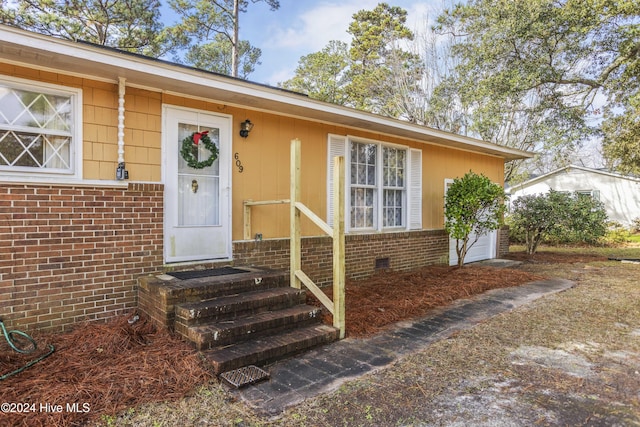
x=197, y=209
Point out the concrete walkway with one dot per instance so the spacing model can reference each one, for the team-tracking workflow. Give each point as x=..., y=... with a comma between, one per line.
x=324, y=369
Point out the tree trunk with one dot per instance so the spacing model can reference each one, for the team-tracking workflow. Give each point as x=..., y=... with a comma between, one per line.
x=234, y=42
x=461, y=251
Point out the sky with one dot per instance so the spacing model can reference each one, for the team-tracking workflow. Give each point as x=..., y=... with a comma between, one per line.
x=301, y=27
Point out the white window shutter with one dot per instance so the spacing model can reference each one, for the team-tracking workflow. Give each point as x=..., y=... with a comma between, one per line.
x=415, y=189
x=337, y=147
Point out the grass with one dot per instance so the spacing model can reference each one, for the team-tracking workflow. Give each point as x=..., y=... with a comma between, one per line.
x=628, y=251
x=634, y=238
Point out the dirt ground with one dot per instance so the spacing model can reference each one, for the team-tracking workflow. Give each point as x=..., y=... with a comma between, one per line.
x=571, y=360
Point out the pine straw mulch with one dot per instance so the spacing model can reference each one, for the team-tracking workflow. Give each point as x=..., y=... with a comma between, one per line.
x=106, y=366
x=376, y=303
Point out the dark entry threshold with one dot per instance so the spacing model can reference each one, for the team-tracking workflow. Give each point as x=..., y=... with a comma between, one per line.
x=196, y=274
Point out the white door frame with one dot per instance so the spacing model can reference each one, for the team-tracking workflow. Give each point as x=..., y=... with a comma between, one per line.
x=171, y=114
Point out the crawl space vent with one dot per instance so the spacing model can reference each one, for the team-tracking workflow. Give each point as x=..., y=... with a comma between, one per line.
x=382, y=263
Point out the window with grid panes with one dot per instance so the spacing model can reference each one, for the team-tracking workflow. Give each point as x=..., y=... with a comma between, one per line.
x=363, y=185
x=36, y=128
x=377, y=186
x=393, y=176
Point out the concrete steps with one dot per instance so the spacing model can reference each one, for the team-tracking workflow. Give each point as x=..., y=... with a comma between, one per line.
x=237, y=320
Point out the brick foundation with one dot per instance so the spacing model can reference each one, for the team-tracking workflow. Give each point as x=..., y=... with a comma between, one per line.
x=503, y=242
x=404, y=250
x=74, y=253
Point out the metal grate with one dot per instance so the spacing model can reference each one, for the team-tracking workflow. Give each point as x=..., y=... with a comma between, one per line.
x=382, y=263
x=244, y=376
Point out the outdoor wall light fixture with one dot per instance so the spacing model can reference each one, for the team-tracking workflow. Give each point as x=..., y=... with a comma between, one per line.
x=245, y=128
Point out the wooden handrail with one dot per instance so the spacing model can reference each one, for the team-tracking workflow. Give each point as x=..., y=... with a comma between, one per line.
x=250, y=202
x=297, y=276
x=315, y=218
x=315, y=290
x=246, y=218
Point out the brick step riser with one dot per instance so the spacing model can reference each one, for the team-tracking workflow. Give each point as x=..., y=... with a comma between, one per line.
x=158, y=298
x=221, y=312
x=220, y=336
x=273, y=354
x=207, y=291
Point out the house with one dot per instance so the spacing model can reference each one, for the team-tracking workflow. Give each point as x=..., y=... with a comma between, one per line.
x=620, y=194
x=96, y=193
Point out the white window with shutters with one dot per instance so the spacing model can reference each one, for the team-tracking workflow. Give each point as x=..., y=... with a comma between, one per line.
x=39, y=129
x=383, y=184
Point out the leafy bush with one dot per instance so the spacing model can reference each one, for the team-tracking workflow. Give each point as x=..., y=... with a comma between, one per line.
x=557, y=217
x=586, y=221
x=473, y=205
x=635, y=225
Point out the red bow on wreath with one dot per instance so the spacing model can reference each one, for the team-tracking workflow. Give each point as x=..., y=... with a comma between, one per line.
x=198, y=135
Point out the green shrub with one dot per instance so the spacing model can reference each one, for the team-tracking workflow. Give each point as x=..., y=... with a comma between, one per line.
x=557, y=217
x=473, y=206
x=586, y=221
x=516, y=233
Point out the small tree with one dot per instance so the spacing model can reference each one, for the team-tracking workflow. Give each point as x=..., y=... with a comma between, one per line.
x=473, y=207
x=562, y=217
x=537, y=216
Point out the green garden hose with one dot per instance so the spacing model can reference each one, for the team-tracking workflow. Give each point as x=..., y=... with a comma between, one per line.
x=28, y=347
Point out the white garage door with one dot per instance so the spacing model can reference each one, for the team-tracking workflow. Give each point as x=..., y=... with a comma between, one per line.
x=484, y=248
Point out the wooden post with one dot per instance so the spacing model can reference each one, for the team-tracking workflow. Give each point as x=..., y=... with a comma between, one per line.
x=338, y=246
x=247, y=220
x=295, y=251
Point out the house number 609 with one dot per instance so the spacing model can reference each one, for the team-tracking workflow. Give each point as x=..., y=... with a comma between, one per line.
x=238, y=162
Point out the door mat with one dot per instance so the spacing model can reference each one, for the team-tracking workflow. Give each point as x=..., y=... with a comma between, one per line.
x=196, y=274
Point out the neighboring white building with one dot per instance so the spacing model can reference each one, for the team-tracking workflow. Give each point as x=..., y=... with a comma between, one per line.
x=620, y=194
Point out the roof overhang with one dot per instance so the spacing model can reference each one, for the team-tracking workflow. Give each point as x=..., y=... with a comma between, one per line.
x=87, y=60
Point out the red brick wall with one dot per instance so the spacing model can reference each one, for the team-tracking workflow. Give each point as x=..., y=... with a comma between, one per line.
x=74, y=253
x=405, y=250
